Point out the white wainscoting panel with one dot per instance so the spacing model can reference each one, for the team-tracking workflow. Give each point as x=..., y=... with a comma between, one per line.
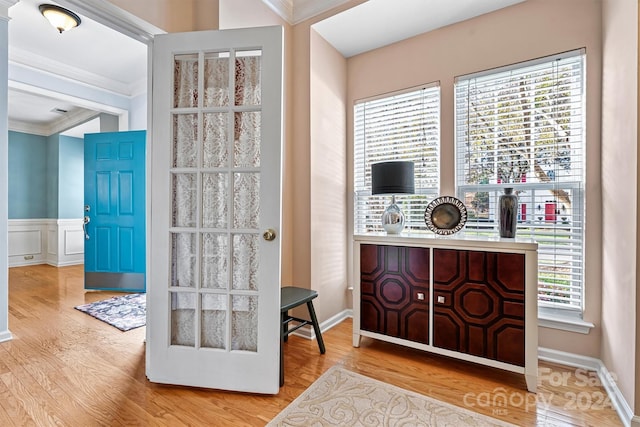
x=73, y=242
x=45, y=241
x=70, y=242
x=27, y=240
x=52, y=241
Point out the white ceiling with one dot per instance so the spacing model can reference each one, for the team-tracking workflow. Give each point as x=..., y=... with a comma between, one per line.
x=91, y=54
x=377, y=23
x=97, y=56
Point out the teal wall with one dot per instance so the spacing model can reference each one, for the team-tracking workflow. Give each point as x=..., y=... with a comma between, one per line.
x=70, y=177
x=46, y=176
x=52, y=176
x=27, y=176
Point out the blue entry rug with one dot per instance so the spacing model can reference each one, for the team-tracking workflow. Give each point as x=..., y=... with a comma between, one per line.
x=125, y=312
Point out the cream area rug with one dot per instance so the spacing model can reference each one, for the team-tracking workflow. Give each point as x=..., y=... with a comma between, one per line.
x=343, y=398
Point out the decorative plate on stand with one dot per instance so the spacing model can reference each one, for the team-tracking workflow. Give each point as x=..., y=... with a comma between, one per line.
x=445, y=215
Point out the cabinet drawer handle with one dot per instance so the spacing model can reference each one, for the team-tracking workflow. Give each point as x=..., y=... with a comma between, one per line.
x=441, y=299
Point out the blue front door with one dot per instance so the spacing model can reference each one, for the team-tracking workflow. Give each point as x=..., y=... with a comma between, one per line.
x=114, y=197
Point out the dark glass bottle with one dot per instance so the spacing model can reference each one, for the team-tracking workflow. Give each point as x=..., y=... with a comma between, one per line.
x=508, y=213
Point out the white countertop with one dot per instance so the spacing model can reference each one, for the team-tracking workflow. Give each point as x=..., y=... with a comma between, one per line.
x=456, y=240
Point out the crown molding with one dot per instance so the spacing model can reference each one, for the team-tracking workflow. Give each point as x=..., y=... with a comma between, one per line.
x=66, y=122
x=71, y=120
x=284, y=8
x=50, y=66
x=114, y=17
x=27, y=127
x=296, y=11
x=305, y=9
x=138, y=88
x=4, y=8
x=81, y=102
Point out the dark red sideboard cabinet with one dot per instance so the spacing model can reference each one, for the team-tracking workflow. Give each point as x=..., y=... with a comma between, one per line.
x=394, y=291
x=471, y=299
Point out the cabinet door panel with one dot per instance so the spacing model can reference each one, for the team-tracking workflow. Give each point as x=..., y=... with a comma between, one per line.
x=479, y=303
x=394, y=291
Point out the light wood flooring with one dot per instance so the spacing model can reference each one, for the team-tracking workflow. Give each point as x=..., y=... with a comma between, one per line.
x=66, y=368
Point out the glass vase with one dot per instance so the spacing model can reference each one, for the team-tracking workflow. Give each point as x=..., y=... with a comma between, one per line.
x=508, y=213
x=393, y=218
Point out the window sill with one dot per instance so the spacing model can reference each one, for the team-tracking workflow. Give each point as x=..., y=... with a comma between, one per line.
x=565, y=321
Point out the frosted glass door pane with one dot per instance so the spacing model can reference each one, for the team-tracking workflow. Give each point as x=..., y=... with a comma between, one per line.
x=183, y=259
x=244, y=323
x=216, y=80
x=246, y=200
x=215, y=188
x=246, y=147
x=185, y=81
x=185, y=200
x=245, y=261
x=215, y=145
x=185, y=140
x=183, y=316
x=248, y=78
x=214, y=321
x=215, y=260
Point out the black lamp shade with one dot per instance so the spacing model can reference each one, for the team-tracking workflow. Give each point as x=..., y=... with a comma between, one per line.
x=392, y=178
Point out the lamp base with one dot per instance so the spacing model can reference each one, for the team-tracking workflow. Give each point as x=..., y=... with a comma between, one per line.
x=393, y=219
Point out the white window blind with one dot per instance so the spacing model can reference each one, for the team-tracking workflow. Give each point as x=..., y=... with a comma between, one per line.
x=399, y=126
x=523, y=127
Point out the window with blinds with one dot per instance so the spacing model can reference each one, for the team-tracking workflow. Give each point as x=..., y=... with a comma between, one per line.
x=399, y=126
x=523, y=127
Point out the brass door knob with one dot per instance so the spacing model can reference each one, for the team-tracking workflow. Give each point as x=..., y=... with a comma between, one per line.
x=269, y=235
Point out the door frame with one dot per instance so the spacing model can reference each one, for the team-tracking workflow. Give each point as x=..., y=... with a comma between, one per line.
x=118, y=20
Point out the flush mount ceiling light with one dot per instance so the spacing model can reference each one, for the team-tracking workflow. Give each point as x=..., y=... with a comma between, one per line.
x=61, y=18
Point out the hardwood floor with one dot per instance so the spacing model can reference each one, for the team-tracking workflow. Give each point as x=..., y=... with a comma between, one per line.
x=66, y=368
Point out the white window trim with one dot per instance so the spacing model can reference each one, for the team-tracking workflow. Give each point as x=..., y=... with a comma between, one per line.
x=564, y=320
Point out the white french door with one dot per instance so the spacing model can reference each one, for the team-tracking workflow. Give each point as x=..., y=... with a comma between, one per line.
x=214, y=269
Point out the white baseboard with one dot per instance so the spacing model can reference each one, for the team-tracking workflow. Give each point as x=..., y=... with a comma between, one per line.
x=5, y=336
x=618, y=401
x=308, y=333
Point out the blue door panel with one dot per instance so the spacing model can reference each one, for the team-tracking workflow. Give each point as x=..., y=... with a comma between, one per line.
x=103, y=248
x=127, y=243
x=102, y=152
x=103, y=190
x=125, y=151
x=126, y=195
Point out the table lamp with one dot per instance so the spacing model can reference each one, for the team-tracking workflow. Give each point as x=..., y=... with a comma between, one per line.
x=393, y=178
